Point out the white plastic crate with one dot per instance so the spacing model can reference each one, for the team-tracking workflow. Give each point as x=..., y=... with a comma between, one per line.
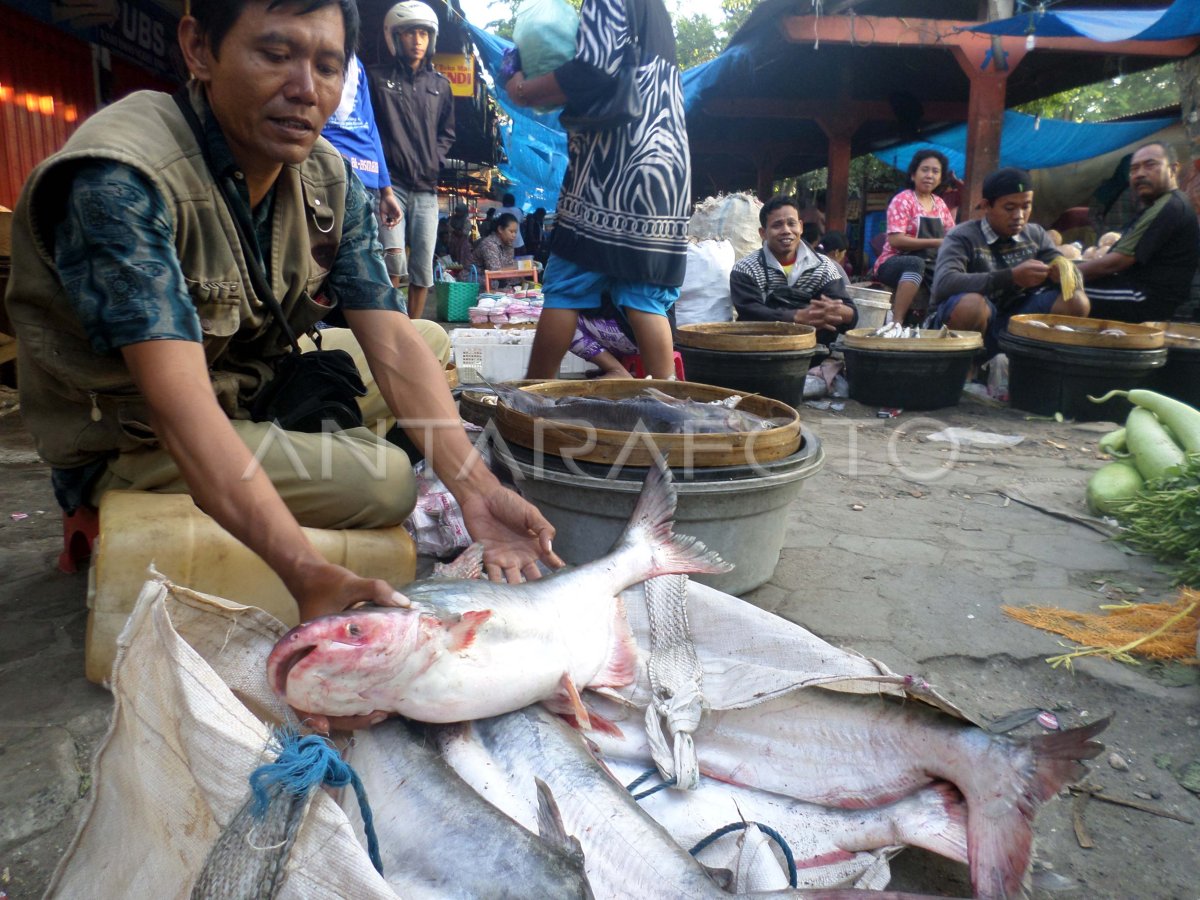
x=483, y=354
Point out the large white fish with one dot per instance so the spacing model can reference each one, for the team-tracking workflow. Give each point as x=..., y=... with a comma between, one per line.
x=469, y=649
x=853, y=751
x=829, y=843
x=626, y=853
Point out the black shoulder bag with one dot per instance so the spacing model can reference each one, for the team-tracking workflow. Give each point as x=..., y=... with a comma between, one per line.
x=621, y=105
x=307, y=390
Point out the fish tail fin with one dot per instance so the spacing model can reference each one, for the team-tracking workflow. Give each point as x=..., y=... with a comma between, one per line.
x=653, y=516
x=999, y=843
x=935, y=819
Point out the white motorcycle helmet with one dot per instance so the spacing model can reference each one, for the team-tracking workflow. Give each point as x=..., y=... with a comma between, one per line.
x=410, y=14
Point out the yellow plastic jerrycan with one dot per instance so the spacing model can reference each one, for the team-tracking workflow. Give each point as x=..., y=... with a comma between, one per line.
x=138, y=529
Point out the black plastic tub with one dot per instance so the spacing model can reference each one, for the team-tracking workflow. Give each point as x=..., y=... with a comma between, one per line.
x=908, y=379
x=1048, y=378
x=778, y=374
x=1180, y=377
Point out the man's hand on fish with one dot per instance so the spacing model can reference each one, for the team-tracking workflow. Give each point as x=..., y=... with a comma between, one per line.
x=513, y=533
x=326, y=588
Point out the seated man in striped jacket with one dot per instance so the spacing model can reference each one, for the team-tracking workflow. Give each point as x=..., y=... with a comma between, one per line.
x=786, y=281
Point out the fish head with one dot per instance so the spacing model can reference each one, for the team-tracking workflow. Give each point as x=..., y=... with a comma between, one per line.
x=335, y=659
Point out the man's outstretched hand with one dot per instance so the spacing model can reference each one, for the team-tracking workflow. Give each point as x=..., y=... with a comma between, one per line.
x=513, y=533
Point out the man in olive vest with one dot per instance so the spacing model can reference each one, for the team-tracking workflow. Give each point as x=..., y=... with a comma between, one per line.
x=144, y=343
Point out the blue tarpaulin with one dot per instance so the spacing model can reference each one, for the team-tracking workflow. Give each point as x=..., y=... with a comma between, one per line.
x=1032, y=143
x=535, y=144
x=1180, y=19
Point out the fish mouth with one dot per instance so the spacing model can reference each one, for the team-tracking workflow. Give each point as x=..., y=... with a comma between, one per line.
x=284, y=666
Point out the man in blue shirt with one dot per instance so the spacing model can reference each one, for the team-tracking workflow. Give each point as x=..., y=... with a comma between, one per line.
x=352, y=130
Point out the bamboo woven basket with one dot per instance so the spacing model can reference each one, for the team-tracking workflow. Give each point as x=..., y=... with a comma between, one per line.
x=751, y=337
x=1178, y=334
x=928, y=342
x=1086, y=332
x=603, y=445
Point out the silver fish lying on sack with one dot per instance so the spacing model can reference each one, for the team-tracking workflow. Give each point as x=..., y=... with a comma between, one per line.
x=468, y=649
x=852, y=751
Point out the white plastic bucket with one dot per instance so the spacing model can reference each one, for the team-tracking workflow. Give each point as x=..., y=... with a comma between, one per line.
x=872, y=306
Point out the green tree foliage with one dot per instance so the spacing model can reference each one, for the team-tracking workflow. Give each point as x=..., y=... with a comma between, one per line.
x=1120, y=96
x=697, y=39
x=736, y=12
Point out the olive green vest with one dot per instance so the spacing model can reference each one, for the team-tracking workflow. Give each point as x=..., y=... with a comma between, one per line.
x=81, y=405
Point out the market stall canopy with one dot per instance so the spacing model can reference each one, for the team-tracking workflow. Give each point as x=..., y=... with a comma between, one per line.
x=1033, y=143
x=535, y=145
x=792, y=84
x=1177, y=20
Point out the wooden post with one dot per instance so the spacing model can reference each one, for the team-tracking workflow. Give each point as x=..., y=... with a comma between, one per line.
x=988, y=69
x=837, y=185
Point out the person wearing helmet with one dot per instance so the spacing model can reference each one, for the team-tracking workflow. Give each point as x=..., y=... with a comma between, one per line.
x=415, y=113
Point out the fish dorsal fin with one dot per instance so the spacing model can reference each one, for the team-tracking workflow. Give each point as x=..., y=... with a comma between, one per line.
x=461, y=634
x=550, y=823
x=467, y=565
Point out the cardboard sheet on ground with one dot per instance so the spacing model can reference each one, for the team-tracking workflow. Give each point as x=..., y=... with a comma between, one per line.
x=191, y=701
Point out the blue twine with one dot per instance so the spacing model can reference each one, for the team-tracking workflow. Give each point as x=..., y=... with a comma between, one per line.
x=641, y=779
x=304, y=763
x=770, y=832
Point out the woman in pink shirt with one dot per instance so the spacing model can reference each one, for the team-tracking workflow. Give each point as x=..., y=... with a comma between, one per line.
x=917, y=220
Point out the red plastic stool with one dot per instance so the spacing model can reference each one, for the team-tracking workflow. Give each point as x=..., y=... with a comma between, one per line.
x=634, y=365
x=79, y=533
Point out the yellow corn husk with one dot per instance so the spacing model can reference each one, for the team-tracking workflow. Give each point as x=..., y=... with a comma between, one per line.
x=1068, y=278
x=1153, y=630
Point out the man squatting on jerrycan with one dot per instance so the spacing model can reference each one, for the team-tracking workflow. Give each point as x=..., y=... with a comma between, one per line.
x=143, y=348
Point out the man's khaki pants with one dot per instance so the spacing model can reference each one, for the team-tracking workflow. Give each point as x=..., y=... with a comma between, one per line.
x=343, y=479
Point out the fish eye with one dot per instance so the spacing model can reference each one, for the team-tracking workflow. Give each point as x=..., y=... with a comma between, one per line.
x=353, y=630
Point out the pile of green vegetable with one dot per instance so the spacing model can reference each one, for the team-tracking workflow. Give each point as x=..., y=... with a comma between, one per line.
x=1153, y=488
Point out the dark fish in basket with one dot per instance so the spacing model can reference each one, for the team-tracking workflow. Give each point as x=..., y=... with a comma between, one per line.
x=649, y=410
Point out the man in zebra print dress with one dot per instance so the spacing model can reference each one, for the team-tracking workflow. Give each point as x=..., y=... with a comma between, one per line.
x=621, y=222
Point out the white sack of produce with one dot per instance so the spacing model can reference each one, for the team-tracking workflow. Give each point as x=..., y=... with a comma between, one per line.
x=728, y=217
x=545, y=32
x=704, y=294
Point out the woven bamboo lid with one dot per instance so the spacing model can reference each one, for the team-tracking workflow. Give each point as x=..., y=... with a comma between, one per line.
x=928, y=342
x=1086, y=332
x=747, y=337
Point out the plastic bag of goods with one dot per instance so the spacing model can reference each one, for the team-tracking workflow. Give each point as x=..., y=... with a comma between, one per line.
x=728, y=217
x=704, y=294
x=545, y=33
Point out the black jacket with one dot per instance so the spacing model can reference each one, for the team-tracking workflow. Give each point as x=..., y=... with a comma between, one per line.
x=415, y=115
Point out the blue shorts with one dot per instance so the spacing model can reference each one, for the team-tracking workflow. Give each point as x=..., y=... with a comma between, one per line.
x=1041, y=300
x=570, y=286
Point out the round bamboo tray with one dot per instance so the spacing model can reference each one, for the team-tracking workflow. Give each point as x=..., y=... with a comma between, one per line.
x=479, y=406
x=1178, y=334
x=928, y=342
x=1086, y=332
x=753, y=337
x=602, y=445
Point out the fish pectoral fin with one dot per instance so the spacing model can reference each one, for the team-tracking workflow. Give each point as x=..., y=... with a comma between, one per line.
x=461, y=634
x=574, y=703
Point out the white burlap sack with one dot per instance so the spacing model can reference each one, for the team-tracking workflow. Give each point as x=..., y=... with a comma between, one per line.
x=173, y=769
x=704, y=294
x=728, y=217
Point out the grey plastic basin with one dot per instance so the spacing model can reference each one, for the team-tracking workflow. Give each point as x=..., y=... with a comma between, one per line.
x=739, y=511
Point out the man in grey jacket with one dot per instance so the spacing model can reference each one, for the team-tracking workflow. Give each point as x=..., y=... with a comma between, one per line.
x=991, y=269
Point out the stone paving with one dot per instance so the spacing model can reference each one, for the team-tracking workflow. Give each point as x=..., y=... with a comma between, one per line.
x=898, y=548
